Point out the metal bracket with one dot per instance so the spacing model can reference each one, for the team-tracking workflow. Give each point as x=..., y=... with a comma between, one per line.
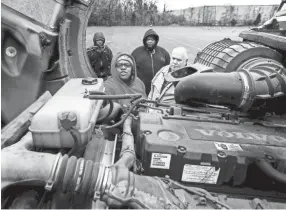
x=100, y=182
x=53, y=175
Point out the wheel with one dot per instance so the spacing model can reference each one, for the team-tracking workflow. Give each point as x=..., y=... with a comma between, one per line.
x=228, y=55
x=72, y=46
x=29, y=67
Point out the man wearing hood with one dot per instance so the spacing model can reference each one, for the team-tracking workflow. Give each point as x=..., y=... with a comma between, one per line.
x=124, y=78
x=150, y=58
x=100, y=56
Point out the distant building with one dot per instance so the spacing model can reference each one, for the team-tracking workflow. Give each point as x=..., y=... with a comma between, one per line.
x=223, y=15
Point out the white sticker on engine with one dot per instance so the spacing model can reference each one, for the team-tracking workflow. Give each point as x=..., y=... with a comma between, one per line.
x=200, y=174
x=160, y=160
x=227, y=146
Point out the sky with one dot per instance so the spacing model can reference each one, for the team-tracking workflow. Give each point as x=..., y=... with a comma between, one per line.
x=182, y=4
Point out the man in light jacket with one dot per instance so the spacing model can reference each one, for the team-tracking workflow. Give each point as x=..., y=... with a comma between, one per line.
x=162, y=90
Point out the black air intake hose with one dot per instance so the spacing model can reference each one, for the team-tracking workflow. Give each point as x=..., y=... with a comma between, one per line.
x=258, y=82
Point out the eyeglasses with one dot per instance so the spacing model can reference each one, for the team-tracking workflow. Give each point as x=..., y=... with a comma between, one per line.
x=120, y=65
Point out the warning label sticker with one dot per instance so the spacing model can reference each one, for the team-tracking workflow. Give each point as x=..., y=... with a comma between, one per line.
x=200, y=174
x=227, y=146
x=160, y=160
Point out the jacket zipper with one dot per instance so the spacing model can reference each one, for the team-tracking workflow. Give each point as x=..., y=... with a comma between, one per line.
x=151, y=53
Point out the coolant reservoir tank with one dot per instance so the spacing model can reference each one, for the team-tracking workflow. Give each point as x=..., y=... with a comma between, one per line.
x=45, y=126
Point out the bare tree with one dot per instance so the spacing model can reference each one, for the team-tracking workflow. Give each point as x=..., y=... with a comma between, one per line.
x=111, y=6
x=145, y=12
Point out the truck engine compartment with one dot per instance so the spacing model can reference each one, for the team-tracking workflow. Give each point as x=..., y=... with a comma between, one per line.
x=222, y=145
x=203, y=156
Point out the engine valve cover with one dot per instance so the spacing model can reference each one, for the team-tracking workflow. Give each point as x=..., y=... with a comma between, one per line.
x=205, y=152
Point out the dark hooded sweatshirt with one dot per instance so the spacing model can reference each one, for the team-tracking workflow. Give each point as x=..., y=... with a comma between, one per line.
x=115, y=86
x=149, y=63
x=100, y=57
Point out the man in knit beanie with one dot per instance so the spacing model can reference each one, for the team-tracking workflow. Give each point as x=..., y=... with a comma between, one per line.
x=124, y=78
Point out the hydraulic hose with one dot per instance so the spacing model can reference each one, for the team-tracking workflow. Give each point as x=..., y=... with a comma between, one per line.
x=37, y=166
x=124, y=116
x=83, y=176
x=197, y=191
x=77, y=147
x=127, y=154
x=271, y=172
x=94, y=95
x=150, y=107
x=116, y=111
x=135, y=98
x=115, y=185
x=103, y=114
x=68, y=121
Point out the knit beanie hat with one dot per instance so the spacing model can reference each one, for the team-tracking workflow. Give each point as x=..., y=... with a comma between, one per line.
x=125, y=58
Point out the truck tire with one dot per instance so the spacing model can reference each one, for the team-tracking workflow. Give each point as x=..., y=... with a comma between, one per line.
x=37, y=67
x=72, y=47
x=227, y=55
